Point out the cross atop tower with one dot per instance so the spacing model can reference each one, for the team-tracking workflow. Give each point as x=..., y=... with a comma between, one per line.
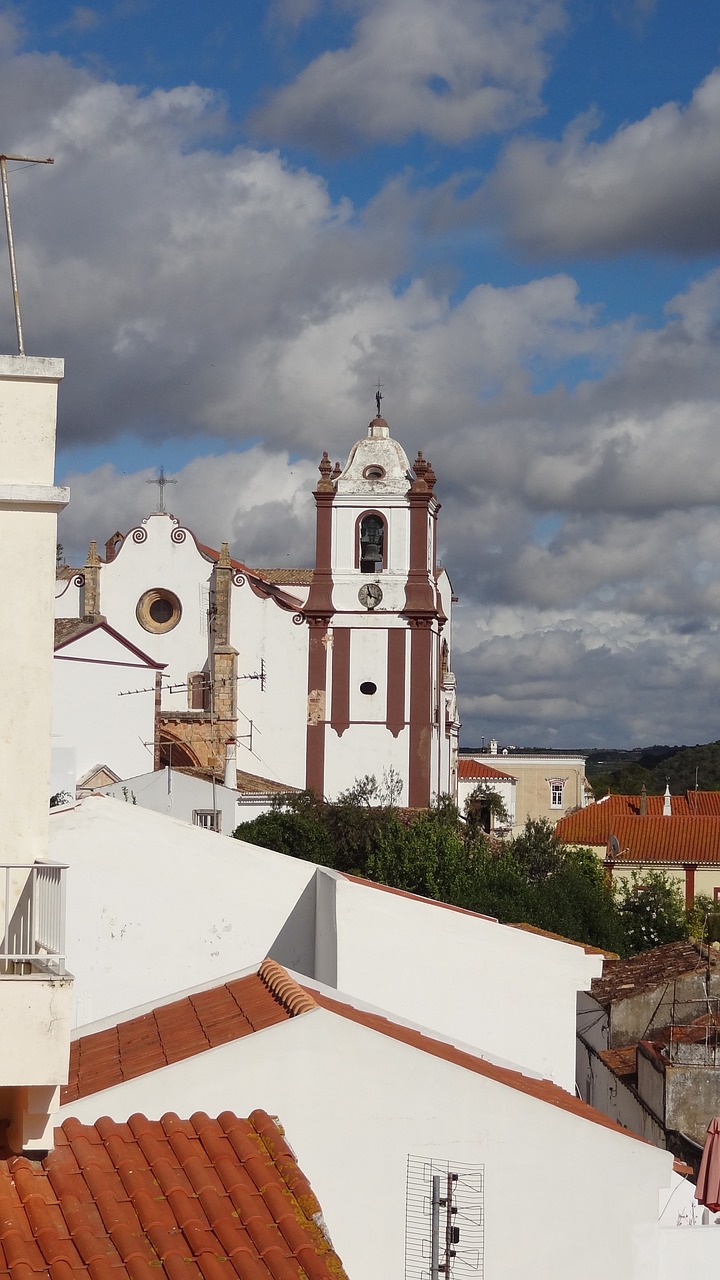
x=379, y=396
x=161, y=480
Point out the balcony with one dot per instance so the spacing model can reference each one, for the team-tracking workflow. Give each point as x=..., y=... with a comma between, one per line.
x=32, y=895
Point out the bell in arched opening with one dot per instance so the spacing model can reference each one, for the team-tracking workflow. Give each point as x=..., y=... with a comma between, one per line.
x=371, y=544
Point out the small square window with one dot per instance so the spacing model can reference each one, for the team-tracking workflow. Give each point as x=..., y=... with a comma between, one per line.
x=208, y=819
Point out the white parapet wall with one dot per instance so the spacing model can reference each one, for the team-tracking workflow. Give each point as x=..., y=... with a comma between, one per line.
x=29, y=503
x=35, y=992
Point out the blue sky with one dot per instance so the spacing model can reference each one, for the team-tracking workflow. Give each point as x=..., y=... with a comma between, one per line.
x=505, y=209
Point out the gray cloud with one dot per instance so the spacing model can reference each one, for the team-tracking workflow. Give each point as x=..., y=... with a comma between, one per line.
x=258, y=500
x=653, y=185
x=451, y=69
x=197, y=289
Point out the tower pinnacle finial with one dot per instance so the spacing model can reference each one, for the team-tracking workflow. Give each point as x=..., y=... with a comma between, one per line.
x=379, y=396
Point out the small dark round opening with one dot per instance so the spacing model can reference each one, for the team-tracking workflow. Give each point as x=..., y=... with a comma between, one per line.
x=161, y=610
x=367, y=686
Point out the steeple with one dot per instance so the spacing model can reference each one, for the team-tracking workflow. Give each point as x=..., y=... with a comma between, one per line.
x=376, y=614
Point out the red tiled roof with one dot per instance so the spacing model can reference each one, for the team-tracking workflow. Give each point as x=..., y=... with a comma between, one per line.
x=213, y=1199
x=68, y=628
x=182, y=1029
x=641, y=973
x=287, y=577
x=597, y=822
x=299, y=999
x=477, y=769
x=622, y=1062
x=265, y=585
x=667, y=840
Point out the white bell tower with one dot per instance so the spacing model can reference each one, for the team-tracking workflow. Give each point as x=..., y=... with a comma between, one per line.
x=378, y=674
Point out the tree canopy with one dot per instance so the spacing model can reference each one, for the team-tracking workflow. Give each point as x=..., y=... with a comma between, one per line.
x=533, y=879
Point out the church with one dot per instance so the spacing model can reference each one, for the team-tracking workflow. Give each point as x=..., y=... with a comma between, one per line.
x=171, y=652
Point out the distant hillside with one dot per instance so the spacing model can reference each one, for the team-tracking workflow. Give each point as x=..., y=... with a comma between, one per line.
x=624, y=772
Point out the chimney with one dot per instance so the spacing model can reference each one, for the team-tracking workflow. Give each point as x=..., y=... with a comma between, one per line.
x=643, y=802
x=667, y=802
x=91, y=589
x=231, y=764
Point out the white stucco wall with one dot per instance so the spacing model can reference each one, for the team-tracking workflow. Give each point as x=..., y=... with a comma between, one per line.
x=160, y=560
x=262, y=632
x=505, y=788
x=154, y=905
x=91, y=713
x=28, y=534
x=355, y=1104
x=510, y=993
x=177, y=795
x=598, y=1086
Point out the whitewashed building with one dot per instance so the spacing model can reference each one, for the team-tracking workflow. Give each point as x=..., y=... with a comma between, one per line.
x=376, y=1106
x=35, y=989
x=318, y=676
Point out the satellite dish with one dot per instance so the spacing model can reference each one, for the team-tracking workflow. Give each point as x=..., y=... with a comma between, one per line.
x=614, y=846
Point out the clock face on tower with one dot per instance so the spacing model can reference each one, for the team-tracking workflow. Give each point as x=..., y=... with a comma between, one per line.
x=370, y=595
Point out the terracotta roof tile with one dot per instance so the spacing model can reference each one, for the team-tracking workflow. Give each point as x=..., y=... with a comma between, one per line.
x=597, y=822
x=287, y=577
x=641, y=973
x=118, y=1200
x=294, y=999
x=477, y=769
x=622, y=1062
x=667, y=841
x=67, y=628
x=182, y=1029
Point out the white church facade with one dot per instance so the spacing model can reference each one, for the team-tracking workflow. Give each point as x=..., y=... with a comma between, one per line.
x=307, y=678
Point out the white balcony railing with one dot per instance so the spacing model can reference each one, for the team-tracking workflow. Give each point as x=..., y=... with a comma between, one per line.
x=33, y=937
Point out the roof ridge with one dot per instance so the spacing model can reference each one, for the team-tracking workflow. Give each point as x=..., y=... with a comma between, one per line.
x=539, y=1087
x=293, y=998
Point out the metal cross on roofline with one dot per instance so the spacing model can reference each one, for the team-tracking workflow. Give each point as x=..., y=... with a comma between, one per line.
x=379, y=395
x=161, y=480
x=11, y=248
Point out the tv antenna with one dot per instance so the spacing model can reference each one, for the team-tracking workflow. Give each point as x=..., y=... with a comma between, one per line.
x=11, y=247
x=444, y=1220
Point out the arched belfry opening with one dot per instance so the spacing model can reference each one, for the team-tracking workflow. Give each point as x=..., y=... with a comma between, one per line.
x=372, y=543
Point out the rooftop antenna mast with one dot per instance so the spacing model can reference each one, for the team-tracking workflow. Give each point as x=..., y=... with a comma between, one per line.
x=11, y=247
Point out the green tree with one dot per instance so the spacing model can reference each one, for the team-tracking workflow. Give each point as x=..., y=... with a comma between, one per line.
x=293, y=826
x=533, y=879
x=485, y=808
x=703, y=919
x=652, y=910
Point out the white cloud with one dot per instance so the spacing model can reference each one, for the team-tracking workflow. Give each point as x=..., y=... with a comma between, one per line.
x=451, y=69
x=195, y=286
x=653, y=185
x=258, y=500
